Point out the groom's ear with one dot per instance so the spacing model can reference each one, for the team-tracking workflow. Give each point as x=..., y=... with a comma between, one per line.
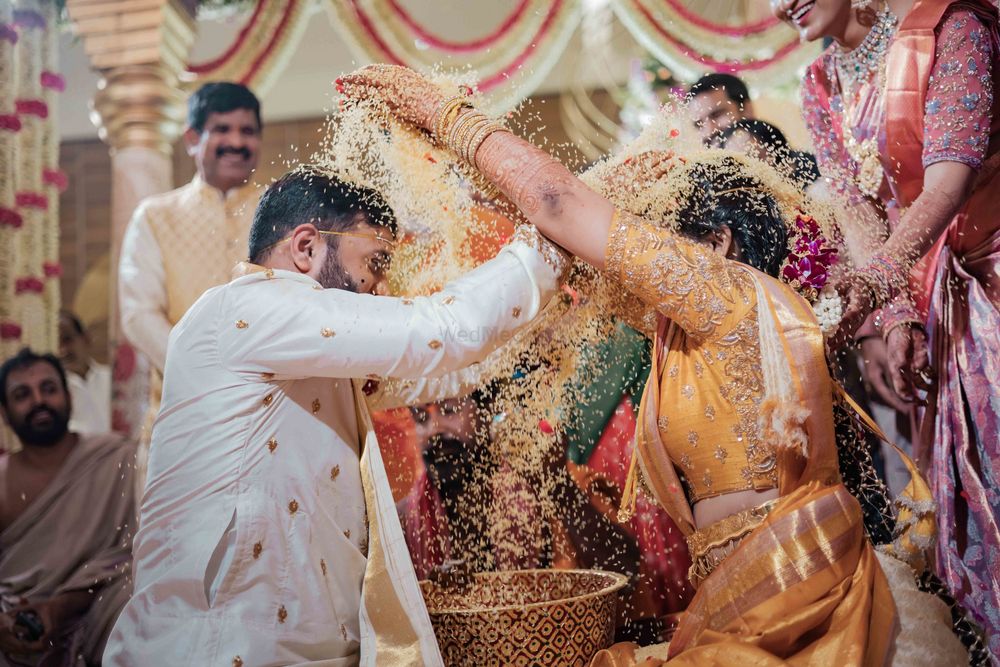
x=304, y=247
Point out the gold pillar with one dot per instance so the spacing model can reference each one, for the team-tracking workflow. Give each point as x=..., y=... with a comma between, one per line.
x=140, y=47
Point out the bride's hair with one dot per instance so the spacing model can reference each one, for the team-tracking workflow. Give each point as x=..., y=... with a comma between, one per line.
x=724, y=196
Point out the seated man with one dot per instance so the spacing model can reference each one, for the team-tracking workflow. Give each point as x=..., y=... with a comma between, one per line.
x=66, y=517
x=469, y=507
x=89, y=381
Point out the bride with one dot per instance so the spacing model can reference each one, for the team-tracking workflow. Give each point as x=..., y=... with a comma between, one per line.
x=737, y=437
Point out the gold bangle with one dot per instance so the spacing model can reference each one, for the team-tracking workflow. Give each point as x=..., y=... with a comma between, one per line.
x=446, y=115
x=463, y=129
x=470, y=138
x=479, y=138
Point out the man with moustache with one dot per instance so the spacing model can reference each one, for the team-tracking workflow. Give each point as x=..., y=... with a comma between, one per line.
x=180, y=243
x=66, y=519
x=268, y=530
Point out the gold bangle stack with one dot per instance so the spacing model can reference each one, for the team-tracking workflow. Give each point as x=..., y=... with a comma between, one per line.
x=461, y=128
x=466, y=131
x=446, y=114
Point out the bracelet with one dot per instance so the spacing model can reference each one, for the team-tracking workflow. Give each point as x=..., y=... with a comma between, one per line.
x=884, y=277
x=446, y=115
x=898, y=313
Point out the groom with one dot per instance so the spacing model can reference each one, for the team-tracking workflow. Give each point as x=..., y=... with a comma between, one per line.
x=268, y=533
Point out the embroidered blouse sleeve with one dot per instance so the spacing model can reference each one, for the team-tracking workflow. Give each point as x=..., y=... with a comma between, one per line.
x=957, y=111
x=703, y=292
x=834, y=163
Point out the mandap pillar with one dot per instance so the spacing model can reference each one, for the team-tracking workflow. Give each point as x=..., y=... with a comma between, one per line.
x=140, y=48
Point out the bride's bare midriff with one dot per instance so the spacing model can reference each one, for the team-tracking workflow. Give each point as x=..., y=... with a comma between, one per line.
x=710, y=510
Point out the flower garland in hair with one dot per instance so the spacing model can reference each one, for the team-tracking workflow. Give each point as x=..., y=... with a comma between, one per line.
x=807, y=270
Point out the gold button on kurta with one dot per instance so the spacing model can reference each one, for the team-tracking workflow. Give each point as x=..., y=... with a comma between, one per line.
x=268, y=399
x=293, y=507
x=327, y=332
x=241, y=324
x=272, y=445
x=282, y=614
x=257, y=549
x=334, y=472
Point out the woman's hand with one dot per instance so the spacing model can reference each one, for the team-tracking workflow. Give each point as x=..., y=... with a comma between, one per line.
x=859, y=303
x=407, y=94
x=909, y=361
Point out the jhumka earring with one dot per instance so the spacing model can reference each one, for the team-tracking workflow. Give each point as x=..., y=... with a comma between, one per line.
x=860, y=4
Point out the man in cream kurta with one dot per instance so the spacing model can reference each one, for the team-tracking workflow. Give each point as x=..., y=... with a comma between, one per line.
x=253, y=546
x=180, y=243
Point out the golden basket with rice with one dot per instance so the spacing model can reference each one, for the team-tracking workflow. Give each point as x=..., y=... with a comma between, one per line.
x=525, y=617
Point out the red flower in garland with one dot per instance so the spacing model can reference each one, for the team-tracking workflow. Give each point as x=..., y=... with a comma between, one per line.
x=10, y=331
x=28, y=285
x=10, y=218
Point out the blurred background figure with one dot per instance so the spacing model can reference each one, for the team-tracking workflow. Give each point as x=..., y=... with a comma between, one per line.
x=717, y=101
x=766, y=142
x=89, y=381
x=67, y=513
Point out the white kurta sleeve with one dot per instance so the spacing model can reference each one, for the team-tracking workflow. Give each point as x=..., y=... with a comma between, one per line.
x=394, y=393
x=287, y=328
x=142, y=290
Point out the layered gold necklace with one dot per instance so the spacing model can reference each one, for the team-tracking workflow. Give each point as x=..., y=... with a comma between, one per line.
x=861, y=72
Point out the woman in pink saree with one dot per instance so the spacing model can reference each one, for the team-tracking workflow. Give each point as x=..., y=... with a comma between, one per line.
x=905, y=121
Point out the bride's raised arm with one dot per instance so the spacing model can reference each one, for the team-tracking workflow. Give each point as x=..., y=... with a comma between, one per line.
x=546, y=192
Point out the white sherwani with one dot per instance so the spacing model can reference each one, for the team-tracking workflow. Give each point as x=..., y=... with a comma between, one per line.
x=252, y=548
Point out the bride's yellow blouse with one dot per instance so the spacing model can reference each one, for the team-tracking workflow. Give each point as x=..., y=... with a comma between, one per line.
x=711, y=383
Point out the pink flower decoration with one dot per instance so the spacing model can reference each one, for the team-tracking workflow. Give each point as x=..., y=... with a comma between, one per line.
x=28, y=285
x=53, y=81
x=56, y=177
x=10, y=330
x=32, y=108
x=545, y=427
x=806, y=267
x=52, y=269
x=32, y=200
x=10, y=218
x=10, y=122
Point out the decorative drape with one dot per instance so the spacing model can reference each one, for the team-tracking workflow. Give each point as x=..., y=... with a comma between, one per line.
x=261, y=49
x=512, y=59
x=742, y=37
x=30, y=180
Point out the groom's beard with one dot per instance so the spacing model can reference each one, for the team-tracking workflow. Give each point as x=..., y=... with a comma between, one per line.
x=333, y=275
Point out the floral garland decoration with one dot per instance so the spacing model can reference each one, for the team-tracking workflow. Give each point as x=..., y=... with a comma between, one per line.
x=807, y=270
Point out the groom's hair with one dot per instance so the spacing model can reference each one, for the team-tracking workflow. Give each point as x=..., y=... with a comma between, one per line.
x=307, y=194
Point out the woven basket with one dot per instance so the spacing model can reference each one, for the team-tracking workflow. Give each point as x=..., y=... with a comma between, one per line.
x=525, y=617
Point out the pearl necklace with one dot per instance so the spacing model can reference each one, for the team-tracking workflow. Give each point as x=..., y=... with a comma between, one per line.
x=864, y=62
